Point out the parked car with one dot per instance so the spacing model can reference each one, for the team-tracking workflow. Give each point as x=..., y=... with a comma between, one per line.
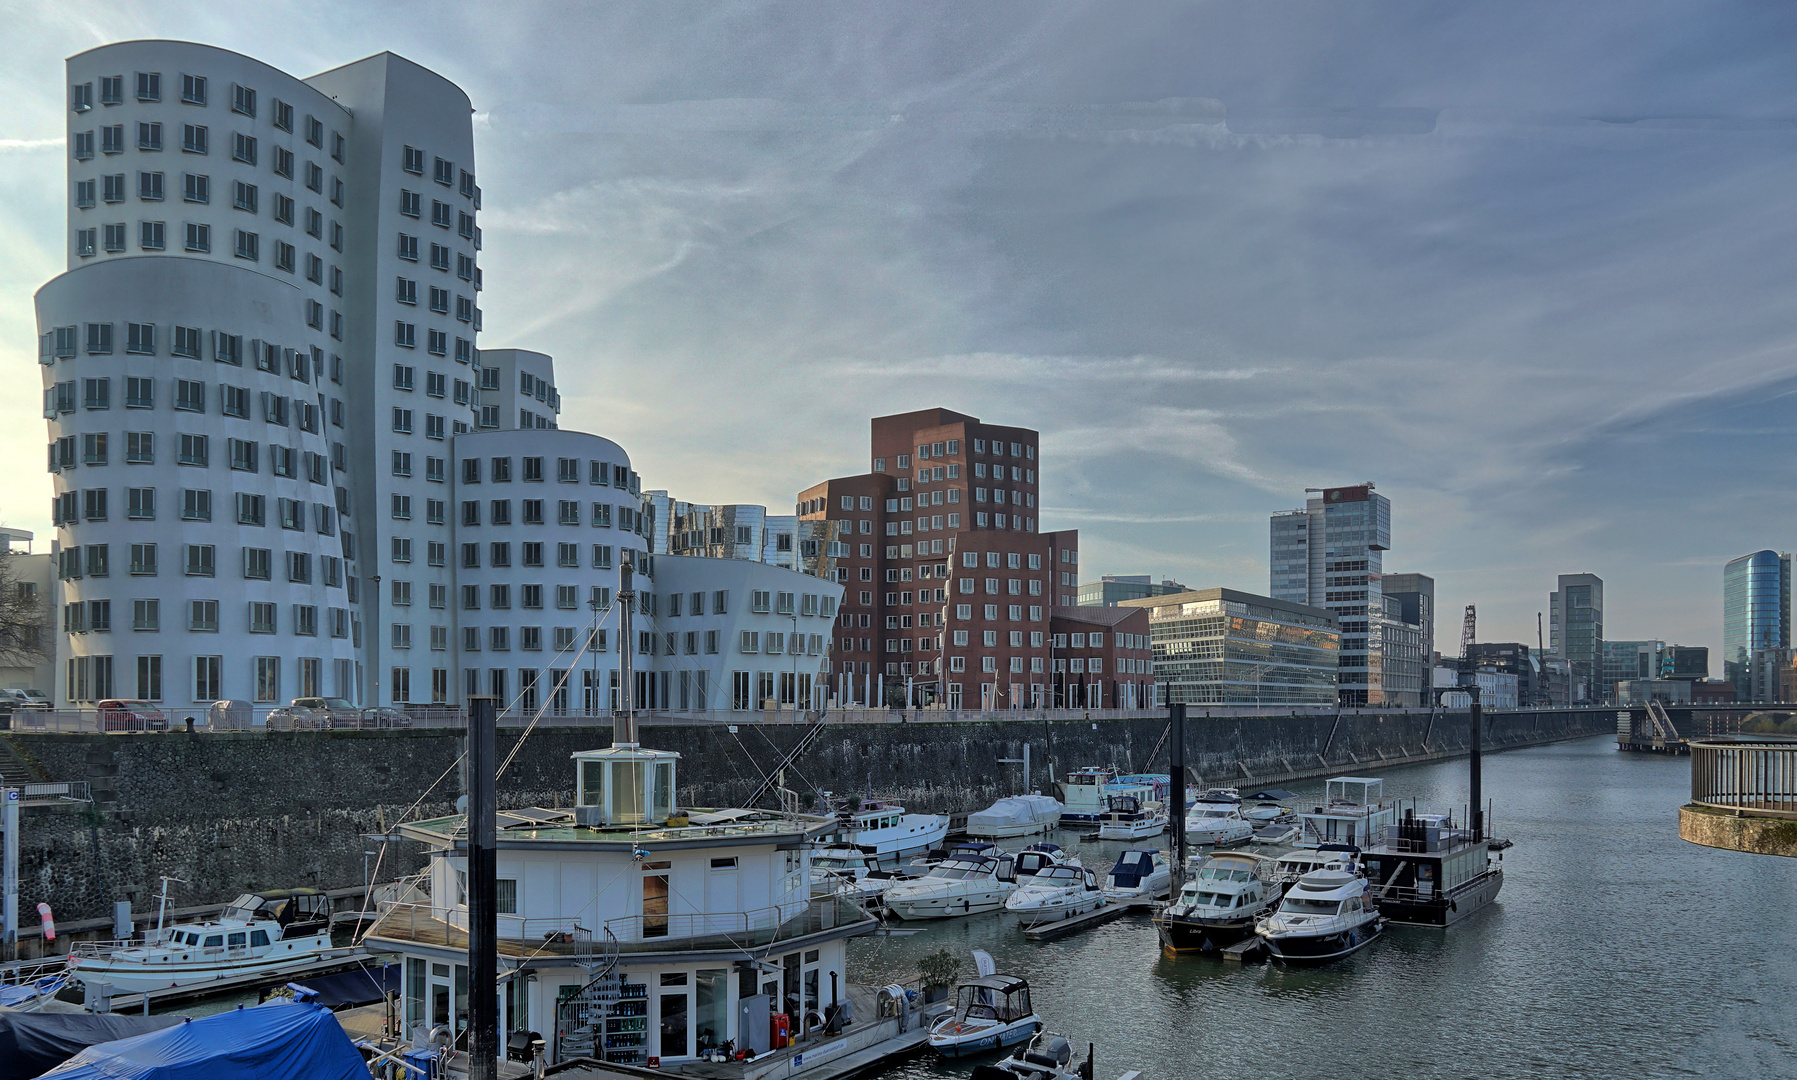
x=33, y=698
x=124, y=714
x=338, y=712
x=384, y=717
x=295, y=716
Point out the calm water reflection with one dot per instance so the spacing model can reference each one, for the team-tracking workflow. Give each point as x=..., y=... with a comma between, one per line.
x=1615, y=950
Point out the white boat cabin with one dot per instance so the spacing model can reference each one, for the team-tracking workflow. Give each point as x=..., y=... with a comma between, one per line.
x=630, y=929
x=1353, y=811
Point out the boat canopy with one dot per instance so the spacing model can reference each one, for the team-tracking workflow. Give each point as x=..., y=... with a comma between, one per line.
x=1277, y=794
x=994, y=997
x=284, y=1038
x=1015, y=812
x=1132, y=867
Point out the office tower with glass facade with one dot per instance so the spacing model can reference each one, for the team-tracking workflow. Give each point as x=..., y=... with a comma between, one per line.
x=1576, y=629
x=1626, y=661
x=1223, y=647
x=1416, y=594
x=1756, y=615
x=1328, y=555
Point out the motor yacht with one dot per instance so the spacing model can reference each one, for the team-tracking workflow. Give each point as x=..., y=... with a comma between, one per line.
x=266, y=933
x=1218, y=907
x=1019, y=815
x=885, y=831
x=1127, y=817
x=1046, y=1057
x=1326, y=915
x=1275, y=834
x=1036, y=858
x=1429, y=872
x=1291, y=866
x=1216, y=820
x=962, y=884
x=1056, y=892
x=1140, y=875
x=1270, y=806
x=991, y=1012
x=844, y=870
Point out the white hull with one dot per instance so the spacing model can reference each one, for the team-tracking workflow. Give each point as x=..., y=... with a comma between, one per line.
x=950, y=906
x=1005, y=832
x=1209, y=837
x=1054, y=908
x=901, y=842
x=1131, y=830
x=952, y=1038
x=125, y=976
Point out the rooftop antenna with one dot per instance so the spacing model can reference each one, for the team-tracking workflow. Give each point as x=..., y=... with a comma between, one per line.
x=623, y=724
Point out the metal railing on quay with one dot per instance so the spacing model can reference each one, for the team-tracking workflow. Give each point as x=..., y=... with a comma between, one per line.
x=1758, y=776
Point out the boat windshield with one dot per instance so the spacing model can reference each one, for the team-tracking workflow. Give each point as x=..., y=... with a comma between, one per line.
x=244, y=907
x=956, y=871
x=834, y=864
x=1216, y=811
x=1299, y=905
x=1058, y=874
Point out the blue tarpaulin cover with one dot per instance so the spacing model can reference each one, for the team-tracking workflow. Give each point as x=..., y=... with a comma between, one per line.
x=32, y=1042
x=282, y=1040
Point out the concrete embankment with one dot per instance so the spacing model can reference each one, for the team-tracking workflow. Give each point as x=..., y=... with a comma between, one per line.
x=229, y=812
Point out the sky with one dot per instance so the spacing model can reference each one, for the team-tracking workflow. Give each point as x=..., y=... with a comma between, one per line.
x=1528, y=267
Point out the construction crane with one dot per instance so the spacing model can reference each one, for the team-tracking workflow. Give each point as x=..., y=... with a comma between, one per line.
x=1468, y=631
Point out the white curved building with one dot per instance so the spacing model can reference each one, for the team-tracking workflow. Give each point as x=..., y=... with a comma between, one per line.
x=253, y=368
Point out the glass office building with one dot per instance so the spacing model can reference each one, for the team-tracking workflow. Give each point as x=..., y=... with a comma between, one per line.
x=1223, y=647
x=1330, y=555
x=1756, y=613
x=1576, y=632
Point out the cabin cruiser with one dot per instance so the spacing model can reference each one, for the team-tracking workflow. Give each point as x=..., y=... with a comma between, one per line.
x=991, y=1012
x=1218, y=907
x=1056, y=892
x=1353, y=811
x=1127, y=817
x=1020, y=815
x=1140, y=875
x=260, y=934
x=1325, y=915
x=885, y=831
x=1036, y=858
x=1216, y=819
x=1269, y=807
x=1430, y=872
x=1291, y=866
x=962, y=884
x=1275, y=834
x=1085, y=791
x=844, y=870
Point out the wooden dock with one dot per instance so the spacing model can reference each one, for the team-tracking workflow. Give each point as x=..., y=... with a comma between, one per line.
x=1095, y=917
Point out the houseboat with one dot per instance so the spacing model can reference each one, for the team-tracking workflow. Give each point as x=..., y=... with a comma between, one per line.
x=631, y=929
x=1430, y=872
x=1353, y=811
x=1085, y=791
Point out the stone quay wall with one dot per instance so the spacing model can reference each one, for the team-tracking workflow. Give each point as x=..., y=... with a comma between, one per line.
x=229, y=812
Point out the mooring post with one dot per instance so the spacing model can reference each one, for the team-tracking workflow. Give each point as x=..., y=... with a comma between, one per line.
x=1177, y=821
x=1476, y=780
x=483, y=897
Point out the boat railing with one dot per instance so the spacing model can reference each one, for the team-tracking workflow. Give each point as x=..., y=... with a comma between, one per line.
x=424, y=923
x=102, y=948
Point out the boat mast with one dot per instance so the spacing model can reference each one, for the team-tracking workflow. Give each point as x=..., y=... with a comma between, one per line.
x=1177, y=820
x=162, y=902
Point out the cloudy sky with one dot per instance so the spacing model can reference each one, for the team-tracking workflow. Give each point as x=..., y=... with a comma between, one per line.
x=1527, y=267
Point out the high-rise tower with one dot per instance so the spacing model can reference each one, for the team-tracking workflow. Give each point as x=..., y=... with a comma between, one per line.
x=1330, y=555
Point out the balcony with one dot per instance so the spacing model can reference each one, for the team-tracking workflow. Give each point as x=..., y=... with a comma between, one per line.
x=1743, y=796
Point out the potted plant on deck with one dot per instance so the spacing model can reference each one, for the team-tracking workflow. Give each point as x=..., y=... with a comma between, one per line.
x=939, y=970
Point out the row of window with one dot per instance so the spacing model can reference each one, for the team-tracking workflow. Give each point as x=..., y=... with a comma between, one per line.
x=776, y=643
x=201, y=560
x=201, y=617
x=110, y=188
x=189, y=396
x=194, y=91
x=193, y=450
x=90, y=678
x=531, y=554
x=531, y=512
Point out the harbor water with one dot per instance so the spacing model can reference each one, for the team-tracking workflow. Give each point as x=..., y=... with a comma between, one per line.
x=1615, y=950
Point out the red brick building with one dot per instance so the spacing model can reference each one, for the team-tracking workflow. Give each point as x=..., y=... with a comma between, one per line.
x=1102, y=658
x=950, y=584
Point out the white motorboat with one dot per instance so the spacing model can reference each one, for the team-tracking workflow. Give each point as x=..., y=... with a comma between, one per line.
x=1291, y=866
x=1275, y=834
x=1056, y=892
x=1036, y=858
x=844, y=870
x=1216, y=820
x=1218, y=907
x=259, y=934
x=1020, y=815
x=1085, y=791
x=1046, y=1057
x=1269, y=807
x=991, y=1012
x=1127, y=817
x=1353, y=811
x=962, y=884
x=1139, y=875
x=885, y=831
x=1326, y=915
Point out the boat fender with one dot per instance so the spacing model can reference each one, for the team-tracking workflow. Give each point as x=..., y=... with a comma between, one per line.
x=43, y=912
x=1453, y=905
